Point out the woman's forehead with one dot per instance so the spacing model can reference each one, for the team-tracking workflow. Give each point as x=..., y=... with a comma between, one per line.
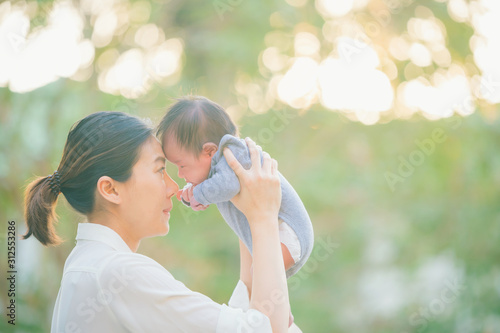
x=151, y=152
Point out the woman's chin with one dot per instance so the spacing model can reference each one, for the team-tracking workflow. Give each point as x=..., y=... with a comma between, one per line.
x=166, y=228
x=159, y=231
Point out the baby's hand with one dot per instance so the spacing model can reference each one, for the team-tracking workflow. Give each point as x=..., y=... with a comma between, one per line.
x=182, y=195
x=179, y=195
x=195, y=205
x=186, y=196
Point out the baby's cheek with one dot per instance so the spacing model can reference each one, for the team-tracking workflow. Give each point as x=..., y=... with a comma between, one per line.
x=206, y=172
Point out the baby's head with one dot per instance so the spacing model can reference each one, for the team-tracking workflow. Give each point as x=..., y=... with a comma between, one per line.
x=190, y=133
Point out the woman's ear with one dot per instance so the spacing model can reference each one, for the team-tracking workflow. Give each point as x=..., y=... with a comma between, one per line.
x=210, y=149
x=106, y=187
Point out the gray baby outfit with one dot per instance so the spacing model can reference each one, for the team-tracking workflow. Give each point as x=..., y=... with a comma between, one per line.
x=222, y=185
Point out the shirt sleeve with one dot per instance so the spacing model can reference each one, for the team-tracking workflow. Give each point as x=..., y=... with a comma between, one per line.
x=240, y=298
x=145, y=297
x=223, y=185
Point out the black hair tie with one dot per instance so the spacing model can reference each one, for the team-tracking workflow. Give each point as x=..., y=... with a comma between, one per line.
x=55, y=183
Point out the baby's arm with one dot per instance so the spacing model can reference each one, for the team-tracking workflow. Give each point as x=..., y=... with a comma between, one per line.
x=223, y=185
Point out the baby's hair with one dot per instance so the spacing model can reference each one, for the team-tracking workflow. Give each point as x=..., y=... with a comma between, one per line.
x=194, y=121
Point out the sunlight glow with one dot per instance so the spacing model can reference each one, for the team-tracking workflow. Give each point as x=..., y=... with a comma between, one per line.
x=104, y=28
x=458, y=10
x=273, y=59
x=339, y=64
x=31, y=60
x=486, y=48
x=306, y=44
x=350, y=82
x=334, y=8
x=135, y=70
x=420, y=55
x=349, y=88
x=299, y=85
x=449, y=93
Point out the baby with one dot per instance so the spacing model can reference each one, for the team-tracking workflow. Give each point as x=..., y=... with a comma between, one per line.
x=194, y=133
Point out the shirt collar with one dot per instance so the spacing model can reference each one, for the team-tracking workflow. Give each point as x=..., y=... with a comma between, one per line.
x=100, y=233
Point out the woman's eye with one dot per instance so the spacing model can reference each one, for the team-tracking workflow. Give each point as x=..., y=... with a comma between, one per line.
x=161, y=170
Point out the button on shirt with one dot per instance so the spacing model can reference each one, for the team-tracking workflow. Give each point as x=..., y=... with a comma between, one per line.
x=108, y=288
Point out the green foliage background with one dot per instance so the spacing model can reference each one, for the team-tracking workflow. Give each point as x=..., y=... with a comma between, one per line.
x=446, y=211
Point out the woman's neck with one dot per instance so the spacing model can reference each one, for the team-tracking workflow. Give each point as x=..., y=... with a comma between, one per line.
x=111, y=221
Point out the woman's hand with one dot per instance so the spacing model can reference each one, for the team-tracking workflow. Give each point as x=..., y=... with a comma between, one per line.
x=260, y=192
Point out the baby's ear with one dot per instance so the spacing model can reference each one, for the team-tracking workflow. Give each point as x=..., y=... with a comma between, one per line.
x=210, y=148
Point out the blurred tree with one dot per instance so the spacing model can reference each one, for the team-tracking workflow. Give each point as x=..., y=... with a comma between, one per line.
x=386, y=252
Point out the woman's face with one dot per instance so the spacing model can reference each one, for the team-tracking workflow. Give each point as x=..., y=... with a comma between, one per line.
x=146, y=200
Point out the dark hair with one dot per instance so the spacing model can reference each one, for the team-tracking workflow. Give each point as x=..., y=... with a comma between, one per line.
x=101, y=144
x=194, y=121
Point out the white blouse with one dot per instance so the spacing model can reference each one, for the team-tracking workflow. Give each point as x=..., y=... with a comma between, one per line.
x=108, y=288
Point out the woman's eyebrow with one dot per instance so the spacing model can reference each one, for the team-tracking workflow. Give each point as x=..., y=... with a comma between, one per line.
x=174, y=162
x=161, y=159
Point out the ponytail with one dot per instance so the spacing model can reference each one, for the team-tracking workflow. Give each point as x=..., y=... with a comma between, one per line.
x=101, y=144
x=39, y=204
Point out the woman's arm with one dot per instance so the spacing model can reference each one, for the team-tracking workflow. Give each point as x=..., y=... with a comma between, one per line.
x=246, y=267
x=269, y=287
x=259, y=199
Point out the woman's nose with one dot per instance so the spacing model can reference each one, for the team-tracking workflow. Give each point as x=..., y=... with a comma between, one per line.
x=172, y=186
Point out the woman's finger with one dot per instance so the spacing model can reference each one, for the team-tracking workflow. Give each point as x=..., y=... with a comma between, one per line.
x=254, y=153
x=233, y=162
x=274, y=167
x=266, y=163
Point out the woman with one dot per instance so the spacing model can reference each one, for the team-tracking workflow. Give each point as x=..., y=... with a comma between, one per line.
x=113, y=171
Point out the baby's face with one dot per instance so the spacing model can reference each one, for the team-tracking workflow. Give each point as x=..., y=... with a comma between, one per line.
x=194, y=169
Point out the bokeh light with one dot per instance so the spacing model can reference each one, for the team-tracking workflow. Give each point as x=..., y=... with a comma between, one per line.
x=383, y=114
